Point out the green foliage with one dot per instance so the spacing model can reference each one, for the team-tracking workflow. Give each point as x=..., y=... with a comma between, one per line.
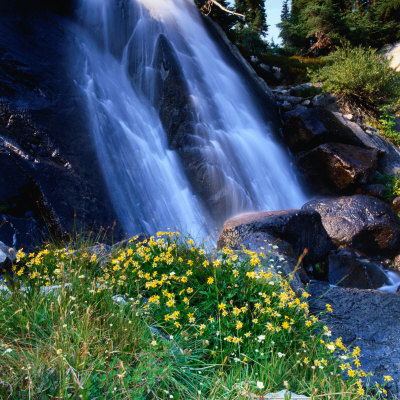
x=318, y=25
x=254, y=11
x=362, y=76
x=385, y=125
x=392, y=185
x=250, y=41
x=295, y=69
x=162, y=318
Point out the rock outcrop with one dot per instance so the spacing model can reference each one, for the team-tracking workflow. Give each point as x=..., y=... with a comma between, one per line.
x=306, y=128
x=51, y=175
x=360, y=222
x=366, y=318
x=320, y=139
x=339, y=166
x=298, y=229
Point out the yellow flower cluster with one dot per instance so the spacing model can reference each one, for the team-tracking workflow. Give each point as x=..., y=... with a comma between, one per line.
x=235, y=304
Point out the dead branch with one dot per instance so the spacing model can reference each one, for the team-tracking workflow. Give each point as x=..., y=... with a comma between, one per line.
x=206, y=9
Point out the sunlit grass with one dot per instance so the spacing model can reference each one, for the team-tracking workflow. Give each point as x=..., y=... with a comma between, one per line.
x=164, y=319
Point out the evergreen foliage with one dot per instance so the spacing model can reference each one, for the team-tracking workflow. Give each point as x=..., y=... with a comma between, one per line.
x=317, y=26
x=256, y=18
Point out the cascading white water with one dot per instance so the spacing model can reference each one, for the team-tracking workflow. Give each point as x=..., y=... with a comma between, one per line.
x=245, y=167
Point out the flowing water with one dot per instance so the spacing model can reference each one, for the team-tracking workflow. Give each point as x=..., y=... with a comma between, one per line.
x=245, y=167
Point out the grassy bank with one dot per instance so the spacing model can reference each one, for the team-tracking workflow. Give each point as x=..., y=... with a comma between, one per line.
x=163, y=319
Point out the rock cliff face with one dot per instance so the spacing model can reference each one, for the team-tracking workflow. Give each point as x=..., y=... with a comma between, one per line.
x=49, y=170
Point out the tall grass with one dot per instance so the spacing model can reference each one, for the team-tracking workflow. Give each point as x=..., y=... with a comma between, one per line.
x=163, y=319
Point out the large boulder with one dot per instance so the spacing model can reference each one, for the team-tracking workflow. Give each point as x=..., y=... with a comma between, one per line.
x=339, y=166
x=389, y=160
x=368, y=319
x=297, y=229
x=346, y=268
x=306, y=128
x=361, y=222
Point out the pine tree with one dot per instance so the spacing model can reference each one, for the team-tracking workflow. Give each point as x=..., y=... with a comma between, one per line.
x=256, y=17
x=285, y=13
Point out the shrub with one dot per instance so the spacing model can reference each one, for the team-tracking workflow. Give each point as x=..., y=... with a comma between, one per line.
x=251, y=41
x=361, y=76
x=392, y=185
x=163, y=319
x=385, y=125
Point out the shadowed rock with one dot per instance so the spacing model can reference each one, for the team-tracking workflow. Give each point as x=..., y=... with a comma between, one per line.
x=348, y=269
x=339, y=166
x=298, y=229
x=361, y=222
x=366, y=318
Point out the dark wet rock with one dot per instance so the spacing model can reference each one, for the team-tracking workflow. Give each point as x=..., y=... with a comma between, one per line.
x=340, y=166
x=368, y=319
x=290, y=99
x=376, y=190
x=176, y=110
x=46, y=146
x=298, y=229
x=349, y=269
x=361, y=222
x=326, y=101
x=7, y=257
x=306, y=128
x=20, y=232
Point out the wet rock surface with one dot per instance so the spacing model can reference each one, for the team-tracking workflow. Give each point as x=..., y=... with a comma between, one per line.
x=366, y=318
x=360, y=222
x=6, y=258
x=53, y=178
x=346, y=268
x=339, y=166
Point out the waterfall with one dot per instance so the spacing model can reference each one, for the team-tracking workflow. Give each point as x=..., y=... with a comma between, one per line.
x=222, y=160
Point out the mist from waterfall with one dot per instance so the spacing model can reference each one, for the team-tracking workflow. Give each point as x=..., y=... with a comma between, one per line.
x=245, y=167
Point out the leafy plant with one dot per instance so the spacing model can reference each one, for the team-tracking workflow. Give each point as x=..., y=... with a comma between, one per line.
x=392, y=185
x=162, y=319
x=385, y=124
x=360, y=76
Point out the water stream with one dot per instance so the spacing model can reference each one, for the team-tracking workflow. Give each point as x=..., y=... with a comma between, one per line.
x=245, y=167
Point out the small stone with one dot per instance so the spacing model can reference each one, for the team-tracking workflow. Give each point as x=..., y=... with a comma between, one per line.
x=265, y=67
x=396, y=204
x=348, y=116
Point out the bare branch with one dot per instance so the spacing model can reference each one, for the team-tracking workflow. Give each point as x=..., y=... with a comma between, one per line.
x=207, y=8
